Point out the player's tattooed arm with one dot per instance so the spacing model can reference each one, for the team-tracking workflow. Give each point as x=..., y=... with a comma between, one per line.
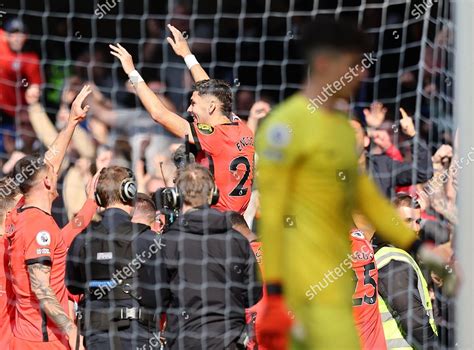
x=40, y=286
x=181, y=48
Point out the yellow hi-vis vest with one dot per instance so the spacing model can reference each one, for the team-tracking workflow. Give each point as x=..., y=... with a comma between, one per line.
x=393, y=335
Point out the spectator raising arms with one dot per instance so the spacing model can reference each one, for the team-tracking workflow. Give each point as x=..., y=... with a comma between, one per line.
x=386, y=172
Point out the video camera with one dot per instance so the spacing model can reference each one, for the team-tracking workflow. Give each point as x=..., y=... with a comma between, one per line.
x=167, y=203
x=166, y=198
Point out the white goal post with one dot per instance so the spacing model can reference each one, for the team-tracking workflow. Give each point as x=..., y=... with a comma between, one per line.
x=463, y=110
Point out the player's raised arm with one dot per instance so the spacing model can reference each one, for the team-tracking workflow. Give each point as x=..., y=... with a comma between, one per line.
x=158, y=111
x=181, y=48
x=381, y=214
x=83, y=218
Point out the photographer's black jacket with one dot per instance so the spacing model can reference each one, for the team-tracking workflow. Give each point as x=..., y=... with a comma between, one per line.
x=143, y=262
x=388, y=173
x=213, y=278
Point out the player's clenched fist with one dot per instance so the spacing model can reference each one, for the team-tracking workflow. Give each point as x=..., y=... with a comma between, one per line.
x=125, y=58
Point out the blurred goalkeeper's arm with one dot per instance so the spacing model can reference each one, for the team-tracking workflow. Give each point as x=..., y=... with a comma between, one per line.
x=382, y=215
x=181, y=48
x=158, y=111
x=274, y=192
x=273, y=195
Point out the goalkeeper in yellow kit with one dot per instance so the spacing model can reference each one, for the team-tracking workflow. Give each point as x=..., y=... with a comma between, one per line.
x=310, y=184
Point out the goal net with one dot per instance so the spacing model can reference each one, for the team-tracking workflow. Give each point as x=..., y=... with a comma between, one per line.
x=253, y=45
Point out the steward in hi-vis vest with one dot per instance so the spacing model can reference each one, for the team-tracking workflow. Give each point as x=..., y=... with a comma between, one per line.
x=404, y=301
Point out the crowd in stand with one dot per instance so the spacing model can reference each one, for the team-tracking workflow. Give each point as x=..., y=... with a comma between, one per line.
x=398, y=159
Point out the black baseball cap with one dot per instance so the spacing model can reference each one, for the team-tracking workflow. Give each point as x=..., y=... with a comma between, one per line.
x=15, y=25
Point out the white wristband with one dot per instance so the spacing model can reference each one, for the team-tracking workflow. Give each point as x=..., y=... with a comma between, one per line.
x=135, y=77
x=190, y=61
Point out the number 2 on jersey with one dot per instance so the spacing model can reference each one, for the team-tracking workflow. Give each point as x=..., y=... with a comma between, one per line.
x=239, y=190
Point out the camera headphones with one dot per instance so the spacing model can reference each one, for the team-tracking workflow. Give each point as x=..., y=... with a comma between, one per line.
x=171, y=197
x=127, y=193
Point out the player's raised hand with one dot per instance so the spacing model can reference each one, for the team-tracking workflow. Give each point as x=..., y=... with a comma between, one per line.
x=406, y=123
x=78, y=113
x=178, y=42
x=125, y=58
x=376, y=115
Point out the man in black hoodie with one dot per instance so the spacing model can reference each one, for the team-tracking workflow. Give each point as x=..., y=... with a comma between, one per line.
x=212, y=271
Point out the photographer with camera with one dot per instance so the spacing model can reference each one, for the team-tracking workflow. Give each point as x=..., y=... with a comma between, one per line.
x=116, y=264
x=212, y=269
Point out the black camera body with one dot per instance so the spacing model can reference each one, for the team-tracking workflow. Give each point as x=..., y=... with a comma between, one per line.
x=167, y=201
